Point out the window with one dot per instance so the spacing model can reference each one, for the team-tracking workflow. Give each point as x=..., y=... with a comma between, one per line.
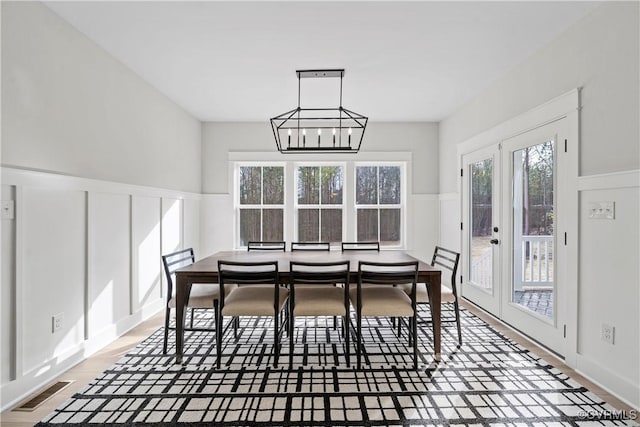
x=378, y=204
x=261, y=203
x=319, y=203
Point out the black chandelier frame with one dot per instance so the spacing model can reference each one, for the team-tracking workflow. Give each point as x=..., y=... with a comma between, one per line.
x=347, y=127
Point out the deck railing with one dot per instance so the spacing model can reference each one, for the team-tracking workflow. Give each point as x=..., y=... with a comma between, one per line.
x=533, y=261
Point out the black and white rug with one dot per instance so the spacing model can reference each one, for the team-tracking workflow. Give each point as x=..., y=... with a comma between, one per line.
x=489, y=380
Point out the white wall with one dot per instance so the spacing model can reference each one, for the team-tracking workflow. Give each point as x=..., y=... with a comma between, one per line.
x=219, y=138
x=105, y=174
x=417, y=140
x=69, y=107
x=600, y=54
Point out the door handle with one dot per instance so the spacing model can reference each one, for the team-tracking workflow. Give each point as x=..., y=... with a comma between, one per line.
x=494, y=241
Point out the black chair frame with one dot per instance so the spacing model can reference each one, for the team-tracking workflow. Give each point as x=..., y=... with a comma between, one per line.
x=325, y=276
x=310, y=246
x=172, y=262
x=248, y=278
x=360, y=246
x=402, y=276
x=266, y=246
x=448, y=260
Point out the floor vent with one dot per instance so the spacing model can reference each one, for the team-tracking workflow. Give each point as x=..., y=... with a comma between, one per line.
x=42, y=397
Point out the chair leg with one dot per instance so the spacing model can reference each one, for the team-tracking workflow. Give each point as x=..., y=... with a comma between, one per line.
x=291, y=326
x=358, y=339
x=276, y=340
x=219, y=329
x=216, y=307
x=345, y=329
x=167, y=314
x=191, y=323
x=236, y=322
x=414, y=332
x=457, y=309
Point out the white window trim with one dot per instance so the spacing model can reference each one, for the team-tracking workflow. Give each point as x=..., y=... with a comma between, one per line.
x=403, y=205
x=289, y=161
x=342, y=206
x=236, y=198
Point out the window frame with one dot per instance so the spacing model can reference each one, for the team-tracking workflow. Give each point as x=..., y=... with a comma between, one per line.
x=297, y=206
x=262, y=206
x=402, y=206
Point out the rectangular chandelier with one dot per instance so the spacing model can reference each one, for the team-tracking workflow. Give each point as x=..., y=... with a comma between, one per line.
x=312, y=130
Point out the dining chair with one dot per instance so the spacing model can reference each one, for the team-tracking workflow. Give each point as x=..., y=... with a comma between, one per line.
x=360, y=246
x=385, y=298
x=266, y=246
x=448, y=260
x=319, y=289
x=258, y=293
x=310, y=246
x=201, y=296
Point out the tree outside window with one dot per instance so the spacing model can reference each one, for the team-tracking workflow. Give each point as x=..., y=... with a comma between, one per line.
x=320, y=203
x=261, y=202
x=378, y=204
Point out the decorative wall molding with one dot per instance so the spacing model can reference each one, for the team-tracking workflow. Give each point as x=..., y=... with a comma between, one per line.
x=44, y=179
x=29, y=372
x=608, y=181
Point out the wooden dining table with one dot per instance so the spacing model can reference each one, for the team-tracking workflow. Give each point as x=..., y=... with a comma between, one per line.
x=206, y=271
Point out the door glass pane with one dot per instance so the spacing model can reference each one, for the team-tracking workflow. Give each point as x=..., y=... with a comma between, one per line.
x=367, y=225
x=308, y=225
x=331, y=225
x=533, y=231
x=481, y=267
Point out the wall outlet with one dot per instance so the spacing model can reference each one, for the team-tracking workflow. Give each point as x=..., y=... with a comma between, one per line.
x=57, y=322
x=607, y=333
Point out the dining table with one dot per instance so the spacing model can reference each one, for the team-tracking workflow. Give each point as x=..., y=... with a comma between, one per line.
x=206, y=271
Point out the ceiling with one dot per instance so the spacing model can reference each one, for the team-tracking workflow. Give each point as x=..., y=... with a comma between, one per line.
x=404, y=61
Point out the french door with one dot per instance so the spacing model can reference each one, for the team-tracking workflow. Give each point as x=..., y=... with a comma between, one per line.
x=512, y=214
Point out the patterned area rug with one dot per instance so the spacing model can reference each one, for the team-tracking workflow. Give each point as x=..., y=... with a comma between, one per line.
x=489, y=380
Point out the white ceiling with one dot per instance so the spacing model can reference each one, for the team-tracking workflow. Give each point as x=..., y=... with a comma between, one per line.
x=404, y=61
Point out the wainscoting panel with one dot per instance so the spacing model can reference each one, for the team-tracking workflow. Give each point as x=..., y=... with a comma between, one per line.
x=52, y=250
x=608, y=284
x=86, y=252
x=145, y=251
x=109, y=299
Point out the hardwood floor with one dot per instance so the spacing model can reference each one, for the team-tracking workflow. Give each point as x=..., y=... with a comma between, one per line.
x=84, y=372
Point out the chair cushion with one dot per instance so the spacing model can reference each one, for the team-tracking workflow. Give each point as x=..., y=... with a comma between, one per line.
x=319, y=301
x=446, y=294
x=202, y=295
x=253, y=301
x=383, y=301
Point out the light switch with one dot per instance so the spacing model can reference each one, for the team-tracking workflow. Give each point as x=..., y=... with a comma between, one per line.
x=8, y=209
x=601, y=210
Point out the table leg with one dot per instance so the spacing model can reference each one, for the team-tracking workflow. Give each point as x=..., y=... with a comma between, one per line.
x=436, y=298
x=183, y=288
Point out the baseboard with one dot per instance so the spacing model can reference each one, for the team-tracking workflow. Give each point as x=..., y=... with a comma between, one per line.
x=625, y=390
x=16, y=391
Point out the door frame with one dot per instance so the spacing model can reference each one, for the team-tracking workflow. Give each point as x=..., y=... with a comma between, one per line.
x=548, y=331
x=564, y=106
x=488, y=299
